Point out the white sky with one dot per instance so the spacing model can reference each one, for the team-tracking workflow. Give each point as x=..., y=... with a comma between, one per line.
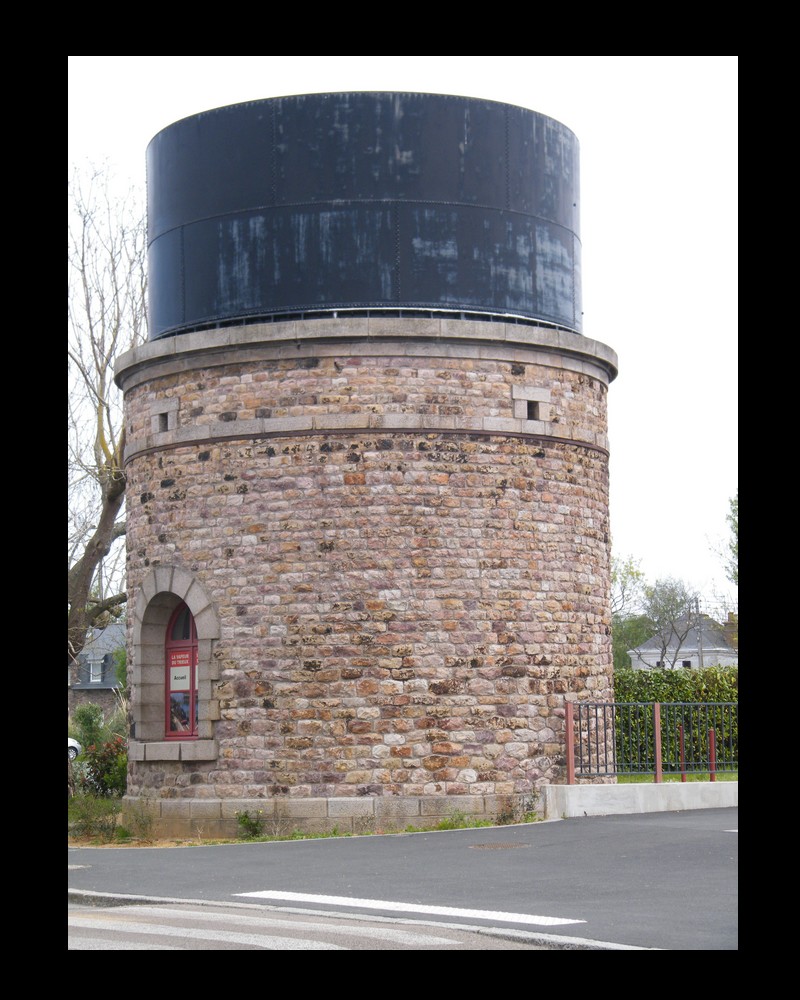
x=658, y=140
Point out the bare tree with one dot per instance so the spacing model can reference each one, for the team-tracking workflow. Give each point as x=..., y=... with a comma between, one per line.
x=732, y=563
x=107, y=315
x=627, y=586
x=629, y=627
x=672, y=611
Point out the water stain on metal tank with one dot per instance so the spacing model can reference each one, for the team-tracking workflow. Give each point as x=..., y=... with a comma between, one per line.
x=365, y=201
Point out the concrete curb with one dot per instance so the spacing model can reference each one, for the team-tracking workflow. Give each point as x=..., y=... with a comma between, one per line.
x=568, y=801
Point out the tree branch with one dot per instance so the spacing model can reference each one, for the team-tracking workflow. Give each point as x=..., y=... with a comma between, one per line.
x=96, y=609
x=107, y=314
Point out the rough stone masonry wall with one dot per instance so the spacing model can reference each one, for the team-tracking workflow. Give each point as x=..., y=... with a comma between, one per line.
x=402, y=608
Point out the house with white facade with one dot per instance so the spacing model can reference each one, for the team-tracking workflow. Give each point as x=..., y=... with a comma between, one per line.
x=92, y=678
x=701, y=642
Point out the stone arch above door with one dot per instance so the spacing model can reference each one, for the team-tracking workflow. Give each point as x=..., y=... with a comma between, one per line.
x=164, y=588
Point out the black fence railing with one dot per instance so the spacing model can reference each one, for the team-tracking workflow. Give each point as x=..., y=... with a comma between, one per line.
x=658, y=738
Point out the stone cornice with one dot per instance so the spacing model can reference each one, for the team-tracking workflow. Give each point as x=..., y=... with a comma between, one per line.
x=367, y=335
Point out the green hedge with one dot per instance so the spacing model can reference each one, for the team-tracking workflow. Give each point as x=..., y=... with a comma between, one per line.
x=712, y=684
x=634, y=726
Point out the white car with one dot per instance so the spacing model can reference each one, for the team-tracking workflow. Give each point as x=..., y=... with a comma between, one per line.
x=73, y=748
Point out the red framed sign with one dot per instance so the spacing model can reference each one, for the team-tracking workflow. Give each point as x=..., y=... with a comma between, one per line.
x=181, y=708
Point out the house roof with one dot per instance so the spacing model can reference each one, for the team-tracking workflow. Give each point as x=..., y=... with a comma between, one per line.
x=706, y=632
x=104, y=640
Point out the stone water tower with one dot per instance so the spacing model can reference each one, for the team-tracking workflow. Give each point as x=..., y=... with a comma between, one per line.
x=368, y=551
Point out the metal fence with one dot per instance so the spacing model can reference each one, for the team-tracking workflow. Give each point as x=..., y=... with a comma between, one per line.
x=658, y=738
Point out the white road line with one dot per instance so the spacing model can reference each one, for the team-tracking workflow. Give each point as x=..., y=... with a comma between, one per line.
x=395, y=907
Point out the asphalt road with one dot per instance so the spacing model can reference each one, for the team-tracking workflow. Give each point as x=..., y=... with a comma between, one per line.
x=654, y=880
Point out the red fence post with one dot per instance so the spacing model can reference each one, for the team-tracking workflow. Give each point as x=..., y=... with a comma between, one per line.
x=657, y=741
x=570, y=751
x=712, y=754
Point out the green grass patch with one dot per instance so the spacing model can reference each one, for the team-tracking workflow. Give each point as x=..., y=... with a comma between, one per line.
x=649, y=779
x=93, y=817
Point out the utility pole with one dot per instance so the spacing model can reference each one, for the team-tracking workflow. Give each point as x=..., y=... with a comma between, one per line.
x=699, y=635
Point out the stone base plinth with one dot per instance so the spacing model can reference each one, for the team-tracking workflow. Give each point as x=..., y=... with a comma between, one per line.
x=210, y=819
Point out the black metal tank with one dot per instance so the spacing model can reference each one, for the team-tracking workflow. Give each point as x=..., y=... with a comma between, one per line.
x=363, y=201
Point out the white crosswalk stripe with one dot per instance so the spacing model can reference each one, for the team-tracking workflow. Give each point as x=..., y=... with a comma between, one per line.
x=393, y=906
x=269, y=942
x=194, y=927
